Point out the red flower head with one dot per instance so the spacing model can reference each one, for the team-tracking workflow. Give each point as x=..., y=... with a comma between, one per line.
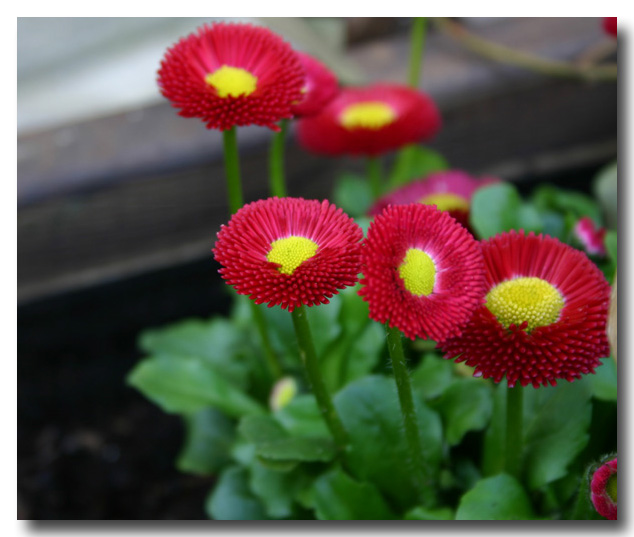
x=592, y=238
x=609, y=25
x=370, y=121
x=450, y=191
x=423, y=272
x=320, y=87
x=603, y=490
x=232, y=74
x=545, y=313
x=289, y=251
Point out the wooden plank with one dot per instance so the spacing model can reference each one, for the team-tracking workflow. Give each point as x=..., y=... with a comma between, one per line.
x=131, y=193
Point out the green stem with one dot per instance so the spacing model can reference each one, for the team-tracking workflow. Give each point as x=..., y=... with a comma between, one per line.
x=373, y=166
x=232, y=170
x=417, y=48
x=313, y=372
x=514, y=430
x=271, y=358
x=419, y=466
x=276, y=162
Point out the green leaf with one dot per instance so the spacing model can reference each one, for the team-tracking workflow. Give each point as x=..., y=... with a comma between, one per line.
x=187, y=384
x=353, y=194
x=301, y=417
x=465, y=406
x=556, y=420
x=274, y=443
x=611, y=245
x=423, y=513
x=337, y=496
x=497, y=208
x=432, y=376
x=209, y=438
x=217, y=341
x=549, y=197
x=416, y=162
x=378, y=452
x=232, y=499
x=277, y=490
x=495, y=498
x=603, y=382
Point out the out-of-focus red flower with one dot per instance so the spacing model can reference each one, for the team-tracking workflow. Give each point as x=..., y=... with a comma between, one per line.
x=609, y=25
x=591, y=237
x=545, y=314
x=232, y=75
x=603, y=490
x=423, y=272
x=370, y=121
x=289, y=251
x=449, y=190
x=320, y=87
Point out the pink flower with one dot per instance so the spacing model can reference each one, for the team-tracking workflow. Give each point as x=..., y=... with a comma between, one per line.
x=592, y=238
x=320, y=87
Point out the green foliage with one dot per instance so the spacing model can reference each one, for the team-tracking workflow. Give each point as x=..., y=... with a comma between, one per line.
x=556, y=429
x=603, y=382
x=232, y=498
x=337, y=496
x=498, y=207
x=416, y=162
x=495, y=498
x=377, y=453
x=209, y=437
x=353, y=194
x=422, y=513
x=432, y=376
x=466, y=405
x=187, y=384
x=272, y=442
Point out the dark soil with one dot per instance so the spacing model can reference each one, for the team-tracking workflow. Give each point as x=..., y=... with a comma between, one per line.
x=90, y=447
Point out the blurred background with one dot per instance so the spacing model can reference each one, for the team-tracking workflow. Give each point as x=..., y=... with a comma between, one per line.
x=119, y=200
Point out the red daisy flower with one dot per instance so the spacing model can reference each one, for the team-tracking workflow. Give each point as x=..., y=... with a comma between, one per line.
x=603, y=490
x=449, y=190
x=370, y=121
x=591, y=237
x=320, y=87
x=289, y=251
x=423, y=273
x=545, y=313
x=609, y=25
x=232, y=74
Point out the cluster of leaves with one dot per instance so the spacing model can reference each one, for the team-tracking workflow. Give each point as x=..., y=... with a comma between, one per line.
x=282, y=463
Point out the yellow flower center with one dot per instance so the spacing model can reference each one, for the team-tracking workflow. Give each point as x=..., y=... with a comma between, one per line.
x=525, y=299
x=372, y=115
x=232, y=81
x=446, y=201
x=610, y=487
x=418, y=272
x=291, y=252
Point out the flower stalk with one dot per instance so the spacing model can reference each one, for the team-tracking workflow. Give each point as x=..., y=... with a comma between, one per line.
x=373, y=166
x=277, y=181
x=313, y=372
x=421, y=470
x=514, y=430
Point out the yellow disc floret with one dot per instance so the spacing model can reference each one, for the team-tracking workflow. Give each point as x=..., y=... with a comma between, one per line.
x=232, y=81
x=446, y=201
x=418, y=272
x=371, y=115
x=525, y=299
x=291, y=252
